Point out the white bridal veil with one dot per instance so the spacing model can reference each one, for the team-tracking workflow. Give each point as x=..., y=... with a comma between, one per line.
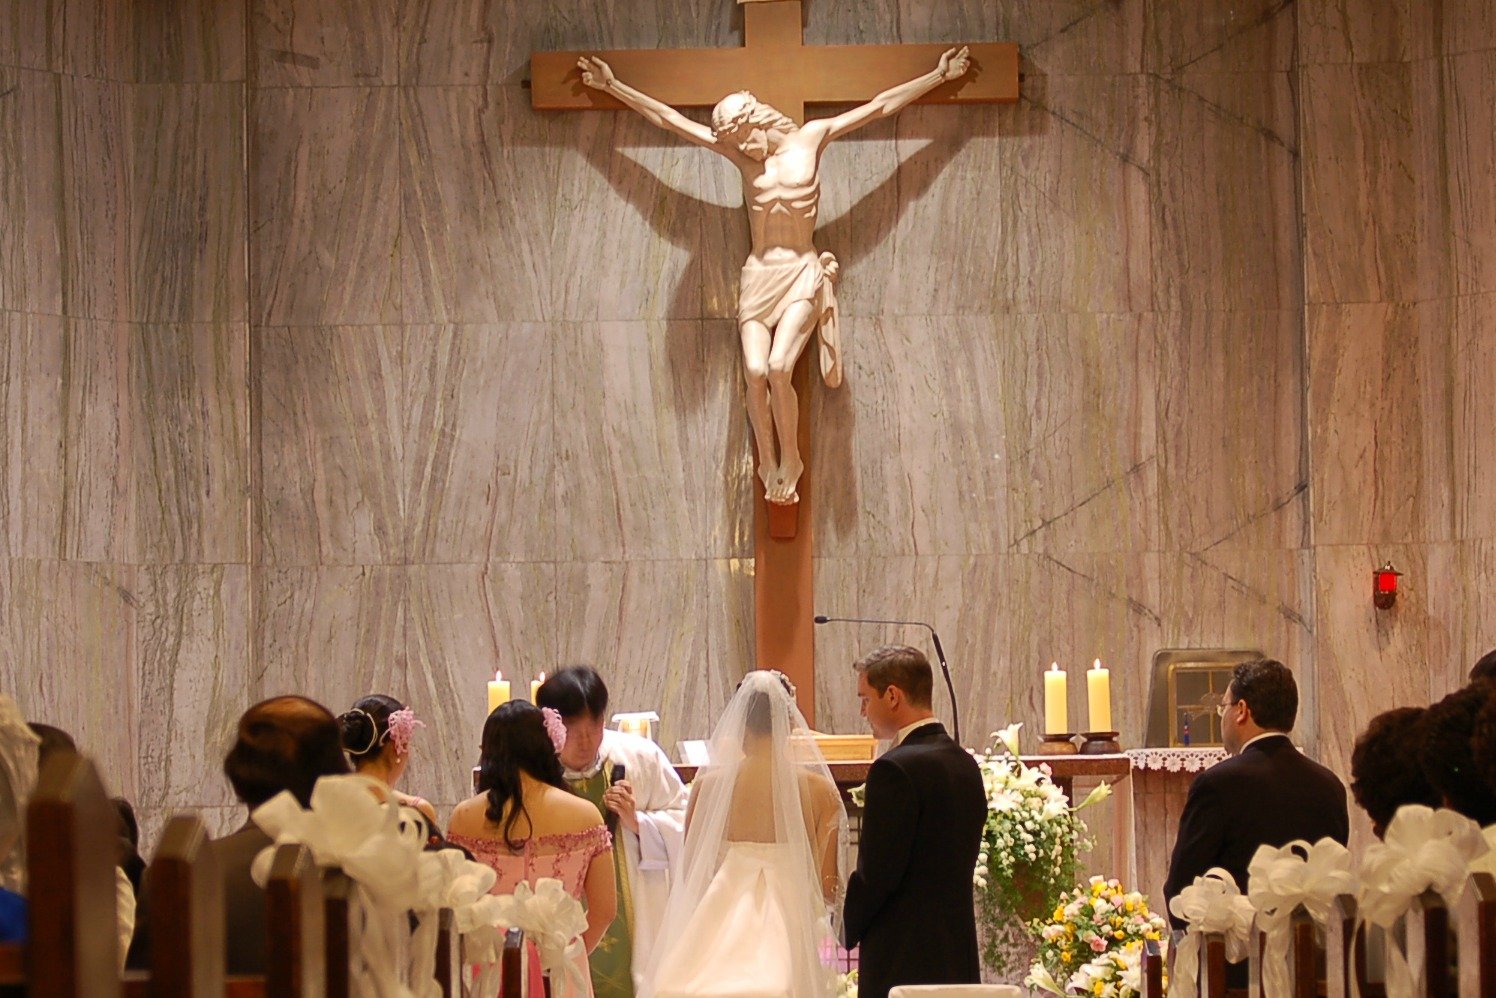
x=765, y=821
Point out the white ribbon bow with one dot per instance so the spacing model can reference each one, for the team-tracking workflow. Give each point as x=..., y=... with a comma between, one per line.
x=348, y=827
x=1423, y=850
x=554, y=921
x=1486, y=861
x=1279, y=881
x=1213, y=903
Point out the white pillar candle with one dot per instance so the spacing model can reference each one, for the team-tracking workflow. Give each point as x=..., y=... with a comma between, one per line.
x=1056, y=714
x=498, y=692
x=1099, y=697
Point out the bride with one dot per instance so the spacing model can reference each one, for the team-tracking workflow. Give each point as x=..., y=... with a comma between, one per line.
x=765, y=860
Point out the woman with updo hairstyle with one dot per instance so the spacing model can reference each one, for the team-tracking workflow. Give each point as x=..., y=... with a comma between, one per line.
x=1385, y=773
x=526, y=824
x=377, y=732
x=1446, y=749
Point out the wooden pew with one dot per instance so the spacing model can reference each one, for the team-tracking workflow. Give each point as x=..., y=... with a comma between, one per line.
x=73, y=950
x=1475, y=935
x=448, y=955
x=295, y=961
x=338, y=896
x=1426, y=926
x=12, y=965
x=1153, y=970
x=512, y=965
x=1213, y=966
x=1345, y=951
x=185, y=896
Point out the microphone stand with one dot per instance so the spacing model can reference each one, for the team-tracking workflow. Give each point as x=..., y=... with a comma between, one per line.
x=945, y=669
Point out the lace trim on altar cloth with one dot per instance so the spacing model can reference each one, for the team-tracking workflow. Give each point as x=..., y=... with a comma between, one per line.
x=1187, y=759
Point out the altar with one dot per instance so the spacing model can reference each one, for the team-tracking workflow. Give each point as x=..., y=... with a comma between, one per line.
x=1160, y=784
x=1114, y=831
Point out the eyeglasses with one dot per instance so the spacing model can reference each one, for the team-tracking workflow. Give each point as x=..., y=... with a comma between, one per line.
x=1222, y=707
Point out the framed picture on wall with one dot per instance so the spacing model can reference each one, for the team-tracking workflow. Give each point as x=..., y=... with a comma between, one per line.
x=1187, y=685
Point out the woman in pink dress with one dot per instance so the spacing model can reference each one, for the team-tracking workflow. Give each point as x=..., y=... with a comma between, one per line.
x=526, y=824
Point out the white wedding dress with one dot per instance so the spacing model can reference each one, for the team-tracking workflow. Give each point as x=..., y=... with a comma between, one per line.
x=752, y=908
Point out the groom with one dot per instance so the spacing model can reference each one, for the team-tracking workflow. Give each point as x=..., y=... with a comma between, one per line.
x=909, y=903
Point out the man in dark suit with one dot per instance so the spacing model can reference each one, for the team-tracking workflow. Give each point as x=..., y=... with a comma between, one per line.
x=1266, y=793
x=909, y=903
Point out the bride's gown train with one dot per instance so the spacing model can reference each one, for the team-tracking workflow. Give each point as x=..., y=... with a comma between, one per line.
x=743, y=941
x=750, y=913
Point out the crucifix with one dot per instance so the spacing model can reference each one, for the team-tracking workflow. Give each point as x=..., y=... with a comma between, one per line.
x=786, y=293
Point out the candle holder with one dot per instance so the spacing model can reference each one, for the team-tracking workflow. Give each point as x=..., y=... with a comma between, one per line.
x=1060, y=744
x=1100, y=743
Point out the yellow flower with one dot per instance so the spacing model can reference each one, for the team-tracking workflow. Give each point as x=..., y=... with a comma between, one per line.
x=1120, y=934
x=1150, y=934
x=1098, y=988
x=1065, y=955
x=1059, y=914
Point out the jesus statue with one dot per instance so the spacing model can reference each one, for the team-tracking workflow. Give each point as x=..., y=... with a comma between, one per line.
x=785, y=291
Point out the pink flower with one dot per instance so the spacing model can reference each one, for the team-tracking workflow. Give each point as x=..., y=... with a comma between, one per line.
x=554, y=727
x=1097, y=944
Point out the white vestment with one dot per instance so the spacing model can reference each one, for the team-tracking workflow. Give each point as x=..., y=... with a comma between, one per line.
x=651, y=855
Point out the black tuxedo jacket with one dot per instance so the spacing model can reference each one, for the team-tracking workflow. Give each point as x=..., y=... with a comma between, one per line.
x=1269, y=794
x=909, y=902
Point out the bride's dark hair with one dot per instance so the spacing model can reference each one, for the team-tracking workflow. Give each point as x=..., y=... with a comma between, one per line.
x=515, y=741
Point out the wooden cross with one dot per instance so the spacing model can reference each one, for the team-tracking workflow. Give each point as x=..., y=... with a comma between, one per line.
x=776, y=65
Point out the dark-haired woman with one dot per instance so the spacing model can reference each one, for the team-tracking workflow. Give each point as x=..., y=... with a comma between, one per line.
x=376, y=735
x=526, y=824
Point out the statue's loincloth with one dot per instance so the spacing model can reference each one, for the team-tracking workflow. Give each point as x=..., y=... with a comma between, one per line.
x=765, y=291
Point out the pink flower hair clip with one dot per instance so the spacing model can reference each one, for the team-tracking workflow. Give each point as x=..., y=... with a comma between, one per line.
x=402, y=725
x=555, y=727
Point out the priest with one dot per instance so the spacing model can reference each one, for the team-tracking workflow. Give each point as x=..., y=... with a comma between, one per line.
x=643, y=802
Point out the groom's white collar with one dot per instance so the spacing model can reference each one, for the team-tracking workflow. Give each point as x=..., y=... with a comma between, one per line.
x=909, y=729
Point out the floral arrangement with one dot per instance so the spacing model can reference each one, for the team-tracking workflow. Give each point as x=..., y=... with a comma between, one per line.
x=846, y=985
x=1029, y=844
x=1092, y=943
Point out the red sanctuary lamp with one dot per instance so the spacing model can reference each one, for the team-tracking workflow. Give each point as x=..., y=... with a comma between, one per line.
x=1384, y=586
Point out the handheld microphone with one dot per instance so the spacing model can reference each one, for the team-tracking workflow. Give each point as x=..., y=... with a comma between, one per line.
x=945, y=669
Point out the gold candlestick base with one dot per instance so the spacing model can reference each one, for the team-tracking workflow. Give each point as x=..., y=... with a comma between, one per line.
x=1100, y=743
x=1057, y=744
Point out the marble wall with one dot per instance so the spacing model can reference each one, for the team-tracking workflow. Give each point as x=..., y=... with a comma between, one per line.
x=1400, y=270
x=329, y=366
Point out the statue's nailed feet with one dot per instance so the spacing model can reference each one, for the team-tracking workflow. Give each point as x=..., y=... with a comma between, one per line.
x=781, y=487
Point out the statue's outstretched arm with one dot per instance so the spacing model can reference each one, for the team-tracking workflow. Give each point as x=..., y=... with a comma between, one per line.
x=599, y=76
x=953, y=65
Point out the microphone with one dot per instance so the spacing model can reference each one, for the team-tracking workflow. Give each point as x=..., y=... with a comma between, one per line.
x=945, y=669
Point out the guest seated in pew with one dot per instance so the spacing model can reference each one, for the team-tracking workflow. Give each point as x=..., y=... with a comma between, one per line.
x=377, y=732
x=128, y=865
x=1266, y=793
x=1446, y=751
x=1385, y=773
x=285, y=743
x=131, y=863
x=1483, y=742
x=18, y=769
x=526, y=823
